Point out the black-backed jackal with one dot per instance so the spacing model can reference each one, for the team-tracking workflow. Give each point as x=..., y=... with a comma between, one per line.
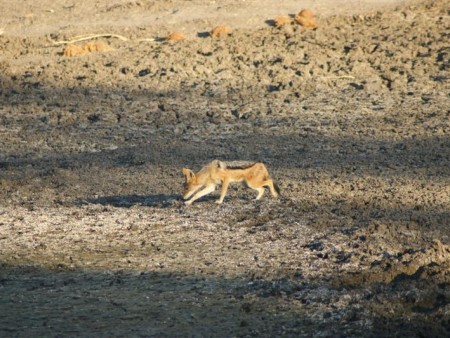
x=255, y=175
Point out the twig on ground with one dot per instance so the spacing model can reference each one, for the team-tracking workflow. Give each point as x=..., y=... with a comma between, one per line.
x=88, y=37
x=146, y=39
x=348, y=77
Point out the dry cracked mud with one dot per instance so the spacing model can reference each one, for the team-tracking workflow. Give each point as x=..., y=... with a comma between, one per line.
x=351, y=118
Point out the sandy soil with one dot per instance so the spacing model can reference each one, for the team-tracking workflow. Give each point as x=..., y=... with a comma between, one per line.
x=352, y=119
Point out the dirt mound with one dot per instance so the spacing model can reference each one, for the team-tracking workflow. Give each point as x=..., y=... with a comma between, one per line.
x=427, y=263
x=282, y=20
x=220, y=31
x=176, y=37
x=87, y=48
x=306, y=19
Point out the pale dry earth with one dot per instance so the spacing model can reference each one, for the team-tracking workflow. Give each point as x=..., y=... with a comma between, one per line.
x=352, y=119
x=36, y=18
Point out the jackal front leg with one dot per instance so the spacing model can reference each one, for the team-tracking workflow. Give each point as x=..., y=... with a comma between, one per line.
x=205, y=191
x=223, y=191
x=260, y=191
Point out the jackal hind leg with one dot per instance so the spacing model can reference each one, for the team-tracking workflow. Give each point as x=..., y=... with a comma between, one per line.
x=253, y=184
x=273, y=190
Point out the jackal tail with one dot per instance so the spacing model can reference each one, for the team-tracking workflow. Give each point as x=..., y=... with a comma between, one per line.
x=277, y=188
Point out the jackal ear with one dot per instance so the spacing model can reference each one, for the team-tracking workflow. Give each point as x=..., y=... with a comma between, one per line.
x=188, y=173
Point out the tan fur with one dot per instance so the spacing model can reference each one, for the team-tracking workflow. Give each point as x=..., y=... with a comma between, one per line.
x=205, y=181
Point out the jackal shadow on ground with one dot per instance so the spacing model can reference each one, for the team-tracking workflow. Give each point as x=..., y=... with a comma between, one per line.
x=128, y=201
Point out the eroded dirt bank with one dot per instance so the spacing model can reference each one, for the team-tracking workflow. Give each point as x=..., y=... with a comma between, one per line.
x=352, y=120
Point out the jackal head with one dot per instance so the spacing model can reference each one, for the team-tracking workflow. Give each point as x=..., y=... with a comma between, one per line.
x=191, y=183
